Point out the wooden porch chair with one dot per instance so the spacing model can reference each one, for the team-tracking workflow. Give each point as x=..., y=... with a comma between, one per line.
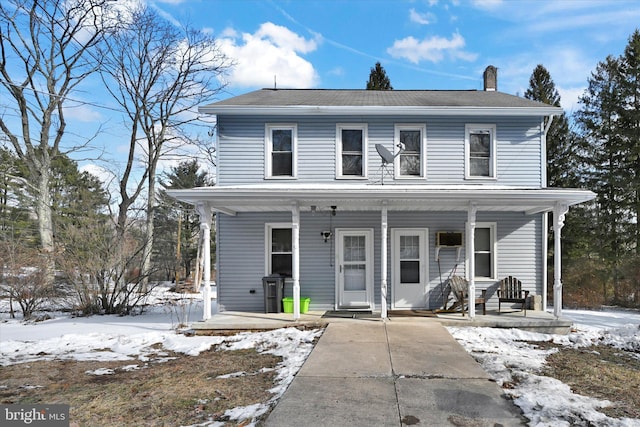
x=511, y=291
x=460, y=288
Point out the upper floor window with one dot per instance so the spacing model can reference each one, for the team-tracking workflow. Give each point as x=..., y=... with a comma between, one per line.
x=411, y=162
x=281, y=151
x=351, y=150
x=480, y=151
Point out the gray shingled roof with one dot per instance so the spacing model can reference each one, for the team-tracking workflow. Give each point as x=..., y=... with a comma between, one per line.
x=374, y=98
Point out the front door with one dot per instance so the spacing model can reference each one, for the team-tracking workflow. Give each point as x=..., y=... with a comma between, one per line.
x=409, y=267
x=354, y=269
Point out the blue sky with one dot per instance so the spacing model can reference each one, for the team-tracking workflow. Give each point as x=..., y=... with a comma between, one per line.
x=422, y=44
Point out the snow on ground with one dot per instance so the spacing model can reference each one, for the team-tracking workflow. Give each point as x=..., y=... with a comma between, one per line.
x=510, y=360
x=136, y=338
x=502, y=352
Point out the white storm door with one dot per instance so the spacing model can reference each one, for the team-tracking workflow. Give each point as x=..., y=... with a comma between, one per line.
x=354, y=269
x=409, y=268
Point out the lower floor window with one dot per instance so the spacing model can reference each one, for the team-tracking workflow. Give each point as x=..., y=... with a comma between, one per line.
x=484, y=251
x=279, y=250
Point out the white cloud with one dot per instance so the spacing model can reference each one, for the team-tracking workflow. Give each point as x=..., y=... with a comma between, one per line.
x=83, y=113
x=421, y=18
x=337, y=71
x=271, y=51
x=105, y=176
x=569, y=98
x=432, y=49
x=487, y=4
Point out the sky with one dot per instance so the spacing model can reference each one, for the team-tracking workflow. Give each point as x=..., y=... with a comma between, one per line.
x=422, y=44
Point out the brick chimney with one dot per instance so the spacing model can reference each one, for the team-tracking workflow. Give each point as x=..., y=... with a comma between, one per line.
x=490, y=78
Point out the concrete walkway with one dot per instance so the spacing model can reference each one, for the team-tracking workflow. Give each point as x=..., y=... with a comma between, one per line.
x=394, y=373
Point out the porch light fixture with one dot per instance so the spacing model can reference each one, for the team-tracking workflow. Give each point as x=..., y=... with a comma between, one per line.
x=333, y=210
x=326, y=235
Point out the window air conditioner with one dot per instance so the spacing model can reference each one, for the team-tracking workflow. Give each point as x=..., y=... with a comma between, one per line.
x=448, y=239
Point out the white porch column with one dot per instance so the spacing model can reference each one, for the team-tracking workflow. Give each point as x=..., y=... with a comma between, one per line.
x=295, y=237
x=471, y=259
x=383, y=262
x=204, y=211
x=559, y=213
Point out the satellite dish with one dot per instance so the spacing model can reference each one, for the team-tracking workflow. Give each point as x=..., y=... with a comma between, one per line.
x=385, y=154
x=387, y=157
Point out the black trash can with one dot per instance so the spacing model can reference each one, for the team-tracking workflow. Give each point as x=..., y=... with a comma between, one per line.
x=273, y=293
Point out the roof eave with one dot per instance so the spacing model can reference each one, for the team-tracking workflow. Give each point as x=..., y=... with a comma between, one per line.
x=528, y=200
x=381, y=110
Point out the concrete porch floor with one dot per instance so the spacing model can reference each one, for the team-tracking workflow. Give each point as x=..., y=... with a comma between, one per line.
x=535, y=321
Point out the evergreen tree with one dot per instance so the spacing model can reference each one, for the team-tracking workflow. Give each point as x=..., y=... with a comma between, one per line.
x=378, y=79
x=15, y=222
x=604, y=160
x=170, y=213
x=629, y=129
x=78, y=198
x=560, y=158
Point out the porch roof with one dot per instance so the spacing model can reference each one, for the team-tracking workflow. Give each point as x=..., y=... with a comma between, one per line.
x=272, y=197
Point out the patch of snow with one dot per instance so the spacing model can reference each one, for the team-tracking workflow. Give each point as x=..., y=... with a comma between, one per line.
x=101, y=371
x=148, y=337
x=511, y=357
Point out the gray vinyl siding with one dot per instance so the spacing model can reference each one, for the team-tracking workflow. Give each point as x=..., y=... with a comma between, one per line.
x=241, y=244
x=241, y=148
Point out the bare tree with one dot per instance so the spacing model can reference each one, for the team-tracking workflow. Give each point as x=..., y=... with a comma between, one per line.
x=45, y=48
x=158, y=73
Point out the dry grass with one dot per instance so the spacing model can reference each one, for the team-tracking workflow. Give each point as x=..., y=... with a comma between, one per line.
x=174, y=390
x=602, y=372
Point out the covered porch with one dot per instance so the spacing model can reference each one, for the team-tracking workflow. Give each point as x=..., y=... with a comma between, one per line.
x=469, y=199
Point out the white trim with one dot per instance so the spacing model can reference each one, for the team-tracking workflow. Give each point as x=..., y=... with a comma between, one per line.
x=398, y=127
x=423, y=234
x=365, y=149
x=267, y=242
x=268, y=150
x=369, y=236
x=278, y=196
x=468, y=128
x=493, y=235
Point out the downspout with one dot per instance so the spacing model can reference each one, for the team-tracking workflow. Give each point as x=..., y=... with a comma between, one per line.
x=545, y=220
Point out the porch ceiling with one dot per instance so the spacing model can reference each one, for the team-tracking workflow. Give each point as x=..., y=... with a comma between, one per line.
x=359, y=197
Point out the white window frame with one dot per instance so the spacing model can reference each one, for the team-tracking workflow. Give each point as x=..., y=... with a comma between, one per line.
x=423, y=150
x=470, y=128
x=268, y=150
x=268, y=235
x=365, y=149
x=493, y=229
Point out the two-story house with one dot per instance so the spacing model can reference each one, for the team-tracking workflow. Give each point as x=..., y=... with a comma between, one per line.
x=370, y=200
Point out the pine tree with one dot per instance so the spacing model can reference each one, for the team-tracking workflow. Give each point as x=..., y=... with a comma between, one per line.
x=378, y=79
x=560, y=157
x=187, y=174
x=604, y=160
x=629, y=128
